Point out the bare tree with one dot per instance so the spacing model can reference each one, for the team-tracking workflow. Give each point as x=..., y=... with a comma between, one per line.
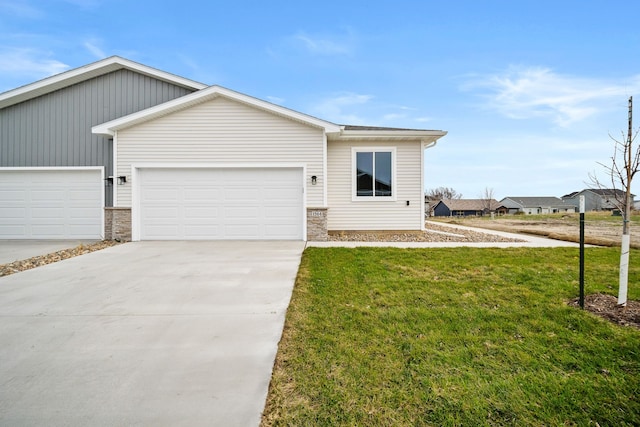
x=440, y=193
x=487, y=200
x=625, y=163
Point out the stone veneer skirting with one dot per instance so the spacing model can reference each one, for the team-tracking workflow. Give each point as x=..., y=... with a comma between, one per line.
x=317, y=224
x=117, y=224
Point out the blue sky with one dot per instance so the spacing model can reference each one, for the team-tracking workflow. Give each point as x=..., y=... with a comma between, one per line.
x=529, y=91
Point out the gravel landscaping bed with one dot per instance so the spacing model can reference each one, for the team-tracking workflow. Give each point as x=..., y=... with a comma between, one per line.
x=26, y=264
x=434, y=233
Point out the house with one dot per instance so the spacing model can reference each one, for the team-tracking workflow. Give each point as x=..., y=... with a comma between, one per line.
x=56, y=177
x=536, y=205
x=465, y=207
x=213, y=163
x=600, y=199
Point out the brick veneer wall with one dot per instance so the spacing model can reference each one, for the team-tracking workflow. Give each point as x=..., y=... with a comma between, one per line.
x=117, y=224
x=317, y=224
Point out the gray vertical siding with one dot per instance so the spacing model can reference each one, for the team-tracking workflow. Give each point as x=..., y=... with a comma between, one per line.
x=55, y=129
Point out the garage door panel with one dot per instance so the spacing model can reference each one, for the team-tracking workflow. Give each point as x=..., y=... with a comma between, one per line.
x=200, y=194
x=280, y=213
x=156, y=211
x=278, y=229
x=48, y=213
x=9, y=213
x=49, y=195
x=281, y=194
x=201, y=232
x=243, y=213
x=221, y=203
x=12, y=196
x=242, y=231
x=161, y=230
x=207, y=213
x=12, y=230
x=48, y=230
x=160, y=194
x=241, y=193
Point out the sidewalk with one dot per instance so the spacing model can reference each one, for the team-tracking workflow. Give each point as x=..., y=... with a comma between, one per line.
x=529, y=241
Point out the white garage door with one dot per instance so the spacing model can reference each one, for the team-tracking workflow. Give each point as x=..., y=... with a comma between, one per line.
x=220, y=204
x=51, y=203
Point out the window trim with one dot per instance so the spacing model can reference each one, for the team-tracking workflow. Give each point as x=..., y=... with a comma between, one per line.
x=354, y=167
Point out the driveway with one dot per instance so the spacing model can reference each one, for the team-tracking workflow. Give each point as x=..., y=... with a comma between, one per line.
x=15, y=250
x=145, y=333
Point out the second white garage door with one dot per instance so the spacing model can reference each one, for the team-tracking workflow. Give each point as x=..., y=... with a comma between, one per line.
x=220, y=204
x=51, y=203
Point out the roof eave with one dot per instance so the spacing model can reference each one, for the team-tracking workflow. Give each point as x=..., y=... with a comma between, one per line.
x=413, y=135
x=80, y=74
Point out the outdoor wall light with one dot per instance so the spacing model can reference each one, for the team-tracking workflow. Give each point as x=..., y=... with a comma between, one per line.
x=122, y=180
x=108, y=181
x=314, y=180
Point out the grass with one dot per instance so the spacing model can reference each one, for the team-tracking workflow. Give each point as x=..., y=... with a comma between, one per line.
x=454, y=337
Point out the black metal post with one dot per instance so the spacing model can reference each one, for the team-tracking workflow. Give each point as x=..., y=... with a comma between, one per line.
x=582, y=252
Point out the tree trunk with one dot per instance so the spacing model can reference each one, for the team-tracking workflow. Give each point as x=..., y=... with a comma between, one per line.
x=626, y=216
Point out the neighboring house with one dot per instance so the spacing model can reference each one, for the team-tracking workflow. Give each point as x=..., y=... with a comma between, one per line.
x=465, y=207
x=218, y=164
x=596, y=199
x=55, y=175
x=536, y=205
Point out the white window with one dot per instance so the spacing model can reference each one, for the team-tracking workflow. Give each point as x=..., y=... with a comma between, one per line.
x=373, y=173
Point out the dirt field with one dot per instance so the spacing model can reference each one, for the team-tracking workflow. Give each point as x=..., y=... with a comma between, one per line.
x=600, y=229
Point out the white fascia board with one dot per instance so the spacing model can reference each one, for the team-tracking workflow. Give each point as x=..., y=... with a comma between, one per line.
x=87, y=72
x=422, y=135
x=204, y=95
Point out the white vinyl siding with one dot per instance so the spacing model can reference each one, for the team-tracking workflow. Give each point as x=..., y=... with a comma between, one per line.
x=347, y=214
x=222, y=132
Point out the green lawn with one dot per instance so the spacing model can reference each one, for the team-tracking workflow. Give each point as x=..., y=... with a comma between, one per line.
x=454, y=337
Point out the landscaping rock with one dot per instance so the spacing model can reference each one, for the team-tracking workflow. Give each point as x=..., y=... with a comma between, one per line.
x=434, y=233
x=17, y=266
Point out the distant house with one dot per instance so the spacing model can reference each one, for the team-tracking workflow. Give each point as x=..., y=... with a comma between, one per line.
x=601, y=199
x=536, y=205
x=466, y=207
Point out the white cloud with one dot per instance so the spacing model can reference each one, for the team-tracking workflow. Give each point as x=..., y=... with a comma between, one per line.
x=423, y=119
x=365, y=109
x=91, y=46
x=523, y=93
x=337, y=108
x=393, y=116
x=29, y=62
x=324, y=45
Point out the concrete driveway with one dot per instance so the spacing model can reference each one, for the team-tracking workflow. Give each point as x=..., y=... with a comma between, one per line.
x=16, y=250
x=145, y=333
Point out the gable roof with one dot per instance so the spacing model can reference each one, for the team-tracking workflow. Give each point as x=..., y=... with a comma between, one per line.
x=570, y=195
x=536, y=202
x=605, y=192
x=87, y=72
x=469, y=204
x=204, y=95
